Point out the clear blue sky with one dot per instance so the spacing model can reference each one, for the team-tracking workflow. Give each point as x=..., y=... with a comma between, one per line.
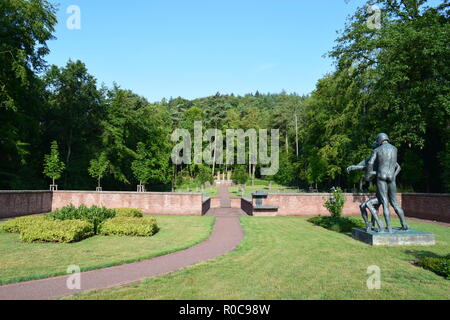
x=190, y=48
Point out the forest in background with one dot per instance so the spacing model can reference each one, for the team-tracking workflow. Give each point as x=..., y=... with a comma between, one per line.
x=394, y=79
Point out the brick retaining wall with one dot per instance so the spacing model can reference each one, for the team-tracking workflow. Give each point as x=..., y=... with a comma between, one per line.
x=427, y=206
x=150, y=202
x=21, y=203
x=424, y=206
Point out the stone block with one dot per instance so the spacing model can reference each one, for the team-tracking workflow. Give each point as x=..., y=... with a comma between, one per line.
x=397, y=238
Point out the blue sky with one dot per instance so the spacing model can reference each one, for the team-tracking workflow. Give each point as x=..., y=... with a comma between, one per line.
x=165, y=48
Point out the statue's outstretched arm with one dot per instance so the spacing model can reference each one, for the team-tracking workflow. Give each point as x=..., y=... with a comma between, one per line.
x=354, y=168
x=359, y=166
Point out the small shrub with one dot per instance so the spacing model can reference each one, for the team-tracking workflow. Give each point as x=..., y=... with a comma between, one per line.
x=240, y=175
x=439, y=265
x=59, y=231
x=341, y=224
x=94, y=214
x=125, y=226
x=16, y=225
x=129, y=212
x=335, y=203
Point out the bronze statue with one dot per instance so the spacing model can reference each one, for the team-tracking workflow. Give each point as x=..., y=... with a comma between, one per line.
x=382, y=164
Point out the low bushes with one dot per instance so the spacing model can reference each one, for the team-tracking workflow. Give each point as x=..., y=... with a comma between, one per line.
x=340, y=224
x=128, y=226
x=16, y=225
x=439, y=265
x=95, y=215
x=71, y=224
x=66, y=231
x=129, y=212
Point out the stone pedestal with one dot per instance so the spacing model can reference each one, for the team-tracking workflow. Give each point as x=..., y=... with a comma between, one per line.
x=397, y=238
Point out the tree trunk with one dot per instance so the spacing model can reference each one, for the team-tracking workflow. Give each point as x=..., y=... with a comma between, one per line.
x=296, y=134
x=287, y=142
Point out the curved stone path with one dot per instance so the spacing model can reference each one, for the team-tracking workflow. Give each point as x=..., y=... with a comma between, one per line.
x=227, y=234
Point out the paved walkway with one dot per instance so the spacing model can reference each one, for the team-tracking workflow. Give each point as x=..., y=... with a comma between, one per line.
x=225, y=209
x=226, y=235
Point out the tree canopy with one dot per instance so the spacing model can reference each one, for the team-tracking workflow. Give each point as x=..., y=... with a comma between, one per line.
x=392, y=79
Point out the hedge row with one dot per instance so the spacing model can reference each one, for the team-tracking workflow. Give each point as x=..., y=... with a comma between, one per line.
x=439, y=265
x=71, y=224
x=129, y=226
x=129, y=212
x=66, y=231
x=18, y=224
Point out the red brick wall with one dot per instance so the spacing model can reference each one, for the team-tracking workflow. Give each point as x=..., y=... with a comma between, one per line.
x=21, y=203
x=311, y=204
x=234, y=201
x=149, y=202
x=427, y=206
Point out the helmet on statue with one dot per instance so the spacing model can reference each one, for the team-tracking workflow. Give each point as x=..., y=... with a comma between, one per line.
x=382, y=137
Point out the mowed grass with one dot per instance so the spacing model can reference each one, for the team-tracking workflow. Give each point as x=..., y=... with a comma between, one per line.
x=289, y=258
x=24, y=261
x=261, y=185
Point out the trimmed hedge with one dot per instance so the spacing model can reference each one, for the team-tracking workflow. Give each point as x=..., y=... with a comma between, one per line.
x=16, y=225
x=65, y=231
x=439, y=265
x=129, y=212
x=126, y=226
x=95, y=215
x=341, y=224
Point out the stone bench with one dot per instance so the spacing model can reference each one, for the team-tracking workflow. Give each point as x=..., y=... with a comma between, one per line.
x=265, y=211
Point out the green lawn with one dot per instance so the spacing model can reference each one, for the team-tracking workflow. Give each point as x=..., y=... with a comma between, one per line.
x=263, y=185
x=24, y=261
x=289, y=258
x=209, y=192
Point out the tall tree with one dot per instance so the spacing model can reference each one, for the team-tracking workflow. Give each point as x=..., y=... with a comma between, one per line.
x=25, y=27
x=74, y=115
x=53, y=166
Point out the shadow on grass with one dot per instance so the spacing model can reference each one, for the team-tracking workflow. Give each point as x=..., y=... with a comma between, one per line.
x=418, y=254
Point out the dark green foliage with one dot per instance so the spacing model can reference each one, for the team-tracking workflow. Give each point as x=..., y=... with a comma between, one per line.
x=203, y=175
x=341, y=224
x=129, y=212
x=285, y=175
x=393, y=79
x=335, y=202
x=439, y=265
x=240, y=175
x=47, y=230
x=128, y=226
x=94, y=214
x=25, y=26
